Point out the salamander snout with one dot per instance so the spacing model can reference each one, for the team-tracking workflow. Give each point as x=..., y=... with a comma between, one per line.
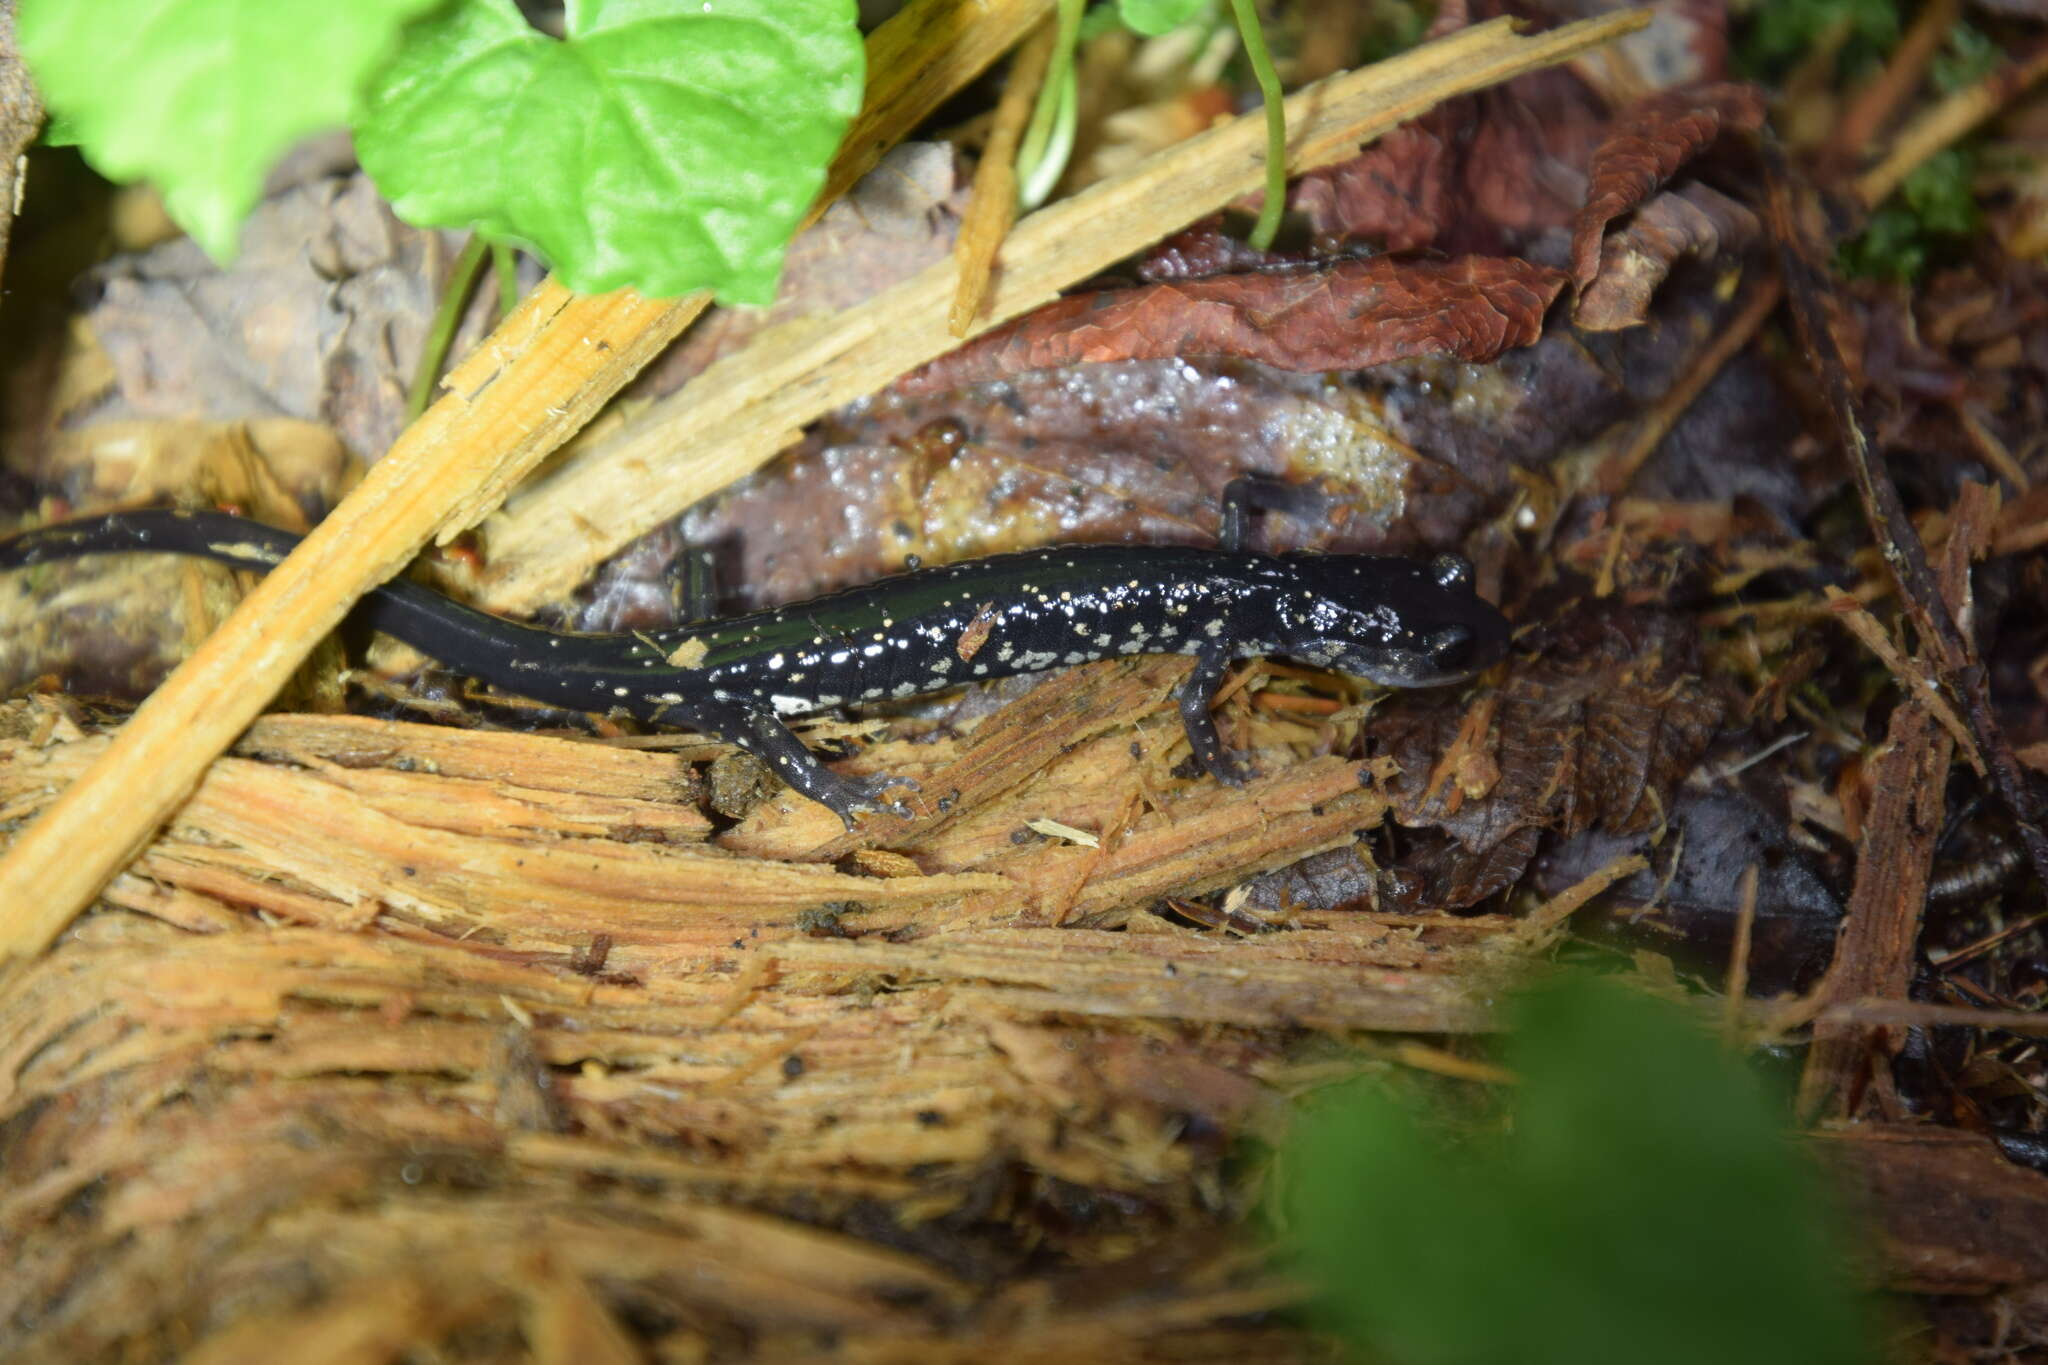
x=1469, y=637
x=1401, y=623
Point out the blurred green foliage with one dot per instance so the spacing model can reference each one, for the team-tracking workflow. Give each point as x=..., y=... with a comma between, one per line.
x=1966, y=57
x=1637, y=1201
x=1391, y=27
x=1778, y=34
x=1933, y=212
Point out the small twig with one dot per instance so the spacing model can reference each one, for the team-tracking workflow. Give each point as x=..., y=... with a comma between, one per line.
x=1947, y=121
x=1877, y=103
x=1738, y=956
x=1971, y=417
x=1913, y=1013
x=993, y=206
x=1955, y=659
x=1547, y=919
x=1970, y=951
x=1435, y=1060
x=1880, y=931
x=1473, y=727
x=1912, y=679
x=1617, y=472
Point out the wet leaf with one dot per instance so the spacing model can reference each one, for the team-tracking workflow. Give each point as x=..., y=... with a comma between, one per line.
x=1347, y=316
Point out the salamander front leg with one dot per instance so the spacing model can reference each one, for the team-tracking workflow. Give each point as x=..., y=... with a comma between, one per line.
x=764, y=735
x=1249, y=493
x=1225, y=765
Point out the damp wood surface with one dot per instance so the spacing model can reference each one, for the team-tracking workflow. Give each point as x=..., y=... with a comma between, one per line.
x=501, y=1015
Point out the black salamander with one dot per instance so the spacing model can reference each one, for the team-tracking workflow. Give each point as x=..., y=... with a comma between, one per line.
x=1398, y=622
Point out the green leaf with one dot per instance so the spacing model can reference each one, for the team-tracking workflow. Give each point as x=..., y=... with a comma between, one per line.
x=1154, y=17
x=201, y=96
x=663, y=145
x=59, y=131
x=1642, y=1205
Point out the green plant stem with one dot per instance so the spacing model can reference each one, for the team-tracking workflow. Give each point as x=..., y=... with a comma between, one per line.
x=1057, y=93
x=1255, y=52
x=1046, y=173
x=441, y=334
x=505, y=265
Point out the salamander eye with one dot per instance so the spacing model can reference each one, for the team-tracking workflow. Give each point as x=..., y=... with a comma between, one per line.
x=1451, y=647
x=1451, y=571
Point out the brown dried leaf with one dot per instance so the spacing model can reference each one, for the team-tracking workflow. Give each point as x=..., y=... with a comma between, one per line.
x=1436, y=873
x=1695, y=220
x=1530, y=144
x=1646, y=148
x=1395, y=194
x=1479, y=175
x=1348, y=316
x=1595, y=732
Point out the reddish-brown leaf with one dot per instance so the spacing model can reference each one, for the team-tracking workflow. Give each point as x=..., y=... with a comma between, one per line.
x=1394, y=194
x=1646, y=148
x=1347, y=316
x=1695, y=220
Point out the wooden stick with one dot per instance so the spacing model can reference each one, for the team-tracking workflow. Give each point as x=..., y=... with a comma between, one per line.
x=737, y=414
x=529, y=386
x=1874, y=106
x=916, y=62
x=994, y=206
x=1947, y=121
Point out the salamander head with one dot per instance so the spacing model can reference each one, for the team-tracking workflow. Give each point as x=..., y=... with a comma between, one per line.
x=1398, y=622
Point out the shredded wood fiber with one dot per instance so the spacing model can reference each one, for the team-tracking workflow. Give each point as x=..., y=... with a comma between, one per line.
x=411, y=1034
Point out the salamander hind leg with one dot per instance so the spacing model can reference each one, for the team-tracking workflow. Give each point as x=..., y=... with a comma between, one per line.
x=1228, y=766
x=763, y=734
